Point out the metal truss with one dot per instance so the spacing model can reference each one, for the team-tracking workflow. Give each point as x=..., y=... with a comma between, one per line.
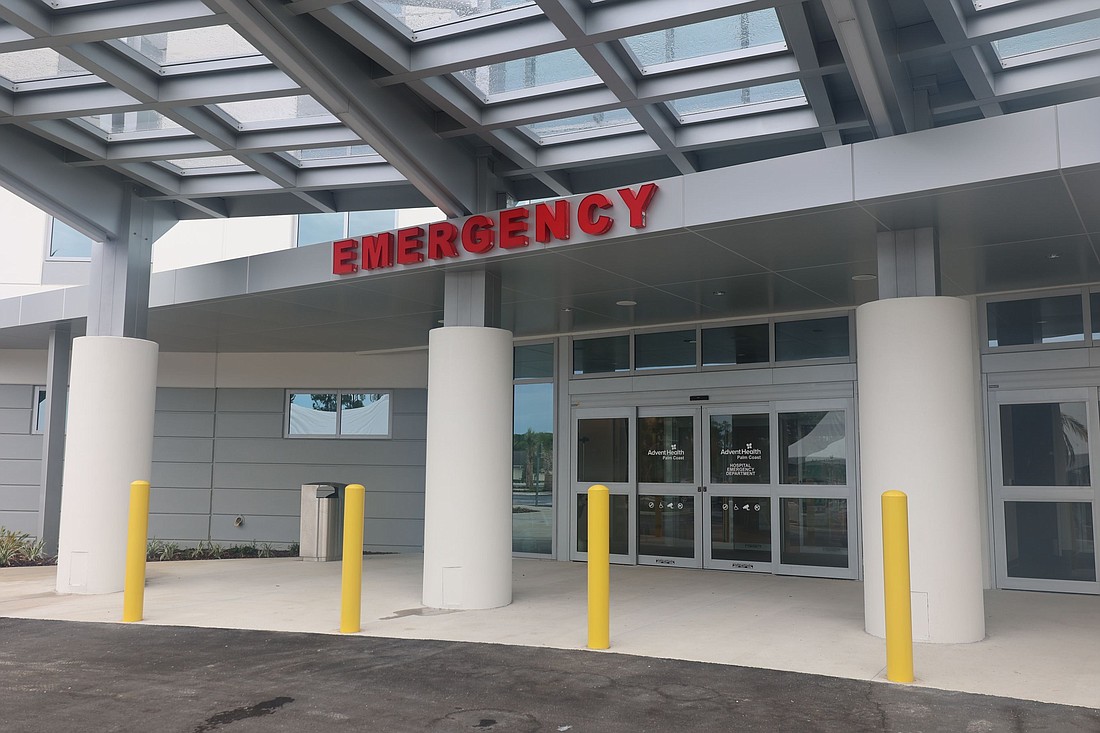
x=866, y=68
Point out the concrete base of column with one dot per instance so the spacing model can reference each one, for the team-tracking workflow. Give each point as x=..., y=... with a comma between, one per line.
x=467, y=496
x=918, y=427
x=109, y=443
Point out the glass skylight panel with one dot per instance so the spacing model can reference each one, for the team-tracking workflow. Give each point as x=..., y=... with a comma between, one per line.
x=1060, y=41
x=38, y=64
x=531, y=72
x=141, y=121
x=550, y=129
x=189, y=46
x=342, y=151
x=214, y=161
x=740, y=99
x=274, y=109
x=732, y=33
x=420, y=14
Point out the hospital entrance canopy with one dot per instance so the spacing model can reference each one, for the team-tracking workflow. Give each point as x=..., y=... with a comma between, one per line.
x=228, y=108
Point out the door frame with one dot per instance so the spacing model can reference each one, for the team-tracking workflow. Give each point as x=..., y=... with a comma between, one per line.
x=577, y=487
x=1001, y=494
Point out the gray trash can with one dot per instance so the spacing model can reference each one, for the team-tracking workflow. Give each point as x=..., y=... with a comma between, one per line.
x=322, y=535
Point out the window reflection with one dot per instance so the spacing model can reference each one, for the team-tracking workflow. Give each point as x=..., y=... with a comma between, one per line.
x=741, y=528
x=666, y=525
x=666, y=450
x=603, y=453
x=1050, y=540
x=619, y=520
x=533, y=467
x=813, y=448
x=815, y=532
x=739, y=449
x=1045, y=444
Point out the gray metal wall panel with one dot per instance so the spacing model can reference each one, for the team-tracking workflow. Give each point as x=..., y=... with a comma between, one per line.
x=251, y=400
x=21, y=473
x=267, y=476
x=413, y=401
x=183, y=450
x=407, y=532
x=394, y=504
x=182, y=475
x=16, y=395
x=15, y=420
x=20, y=498
x=254, y=529
x=320, y=452
x=173, y=399
x=271, y=502
x=409, y=427
x=179, y=501
x=183, y=424
x=19, y=521
x=249, y=425
x=21, y=447
x=179, y=527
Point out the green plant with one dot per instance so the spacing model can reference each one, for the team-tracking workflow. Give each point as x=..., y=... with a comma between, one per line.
x=264, y=551
x=295, y=549
x=161, y=550
x=19, y=547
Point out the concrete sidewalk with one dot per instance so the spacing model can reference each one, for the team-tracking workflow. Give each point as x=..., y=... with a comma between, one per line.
x=1040, y=646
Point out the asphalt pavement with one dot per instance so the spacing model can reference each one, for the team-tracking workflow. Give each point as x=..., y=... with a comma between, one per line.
x=58, y=676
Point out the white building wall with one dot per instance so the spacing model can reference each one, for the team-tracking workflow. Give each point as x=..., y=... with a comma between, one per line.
x=24, y=243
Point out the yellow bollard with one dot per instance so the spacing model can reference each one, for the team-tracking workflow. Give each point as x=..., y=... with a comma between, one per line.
x=895, y=573
x=351, y=579
x=599, y=567
x=137, y=541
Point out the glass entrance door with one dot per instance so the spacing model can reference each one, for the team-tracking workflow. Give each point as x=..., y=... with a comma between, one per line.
x=669, y=487
x=738, y=529
x=759, y=487
x=603, y=453
x=1044, y=488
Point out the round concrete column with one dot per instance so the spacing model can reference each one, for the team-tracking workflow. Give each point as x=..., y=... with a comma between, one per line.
x=918, y=433
x=108, y=444
x=467, y=495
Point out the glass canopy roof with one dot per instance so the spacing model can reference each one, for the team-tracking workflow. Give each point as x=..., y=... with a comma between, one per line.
x=420, y=14
x=1037, y=46
x=249, y=107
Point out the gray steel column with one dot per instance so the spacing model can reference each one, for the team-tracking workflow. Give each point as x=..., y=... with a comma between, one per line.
x=53, y=434
x=471, y=298
x=908, y=263
x=118, y=284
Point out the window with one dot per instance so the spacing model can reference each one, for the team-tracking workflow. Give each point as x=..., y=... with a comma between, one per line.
x=665, y=350
x=533, y=449
x=338, y=414
x=601, y=355
x=39, y=422
x=1051, y=320
x=67, y=243
x=729, y=345
x=818, y=338
x=314, y=228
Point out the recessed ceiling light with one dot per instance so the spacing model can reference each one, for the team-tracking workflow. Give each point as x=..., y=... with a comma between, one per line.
x=440, y=321
x=1053, y=256
x=626, y=302
x=719, y=293
x=864, y=276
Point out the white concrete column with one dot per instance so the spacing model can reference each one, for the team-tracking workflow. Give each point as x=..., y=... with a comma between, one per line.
x=918, y=434
x=467, y=496
x=112, y=397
